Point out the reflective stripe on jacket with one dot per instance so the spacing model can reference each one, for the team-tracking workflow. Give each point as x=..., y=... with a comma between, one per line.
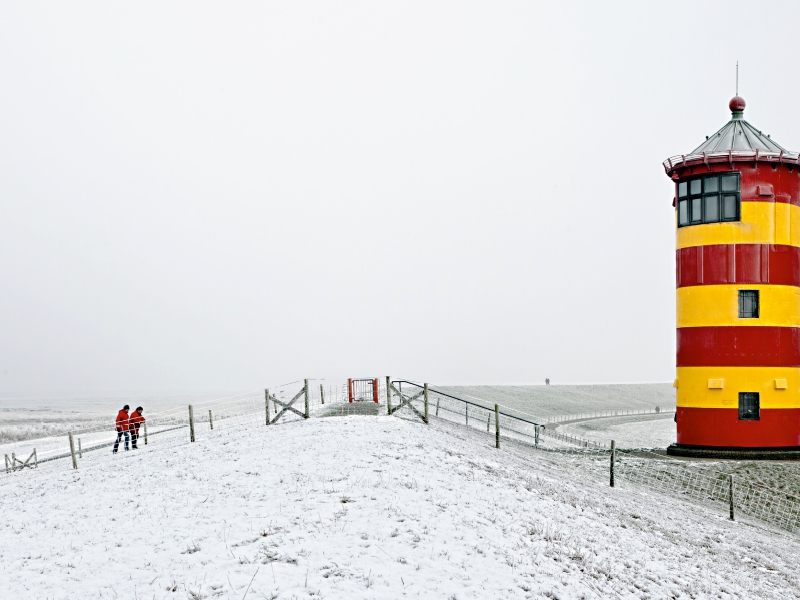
x=136, y=420
x=122, y=420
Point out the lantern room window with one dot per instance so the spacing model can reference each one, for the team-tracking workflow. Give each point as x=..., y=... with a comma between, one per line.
x=709, y=199
x=749, y=406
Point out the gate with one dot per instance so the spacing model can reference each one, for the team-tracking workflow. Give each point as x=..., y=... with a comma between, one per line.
x=362, y=390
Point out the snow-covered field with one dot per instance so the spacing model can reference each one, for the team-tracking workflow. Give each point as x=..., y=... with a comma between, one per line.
x=26, y=418
x=638, y=431
x=34, y=417
x=554, y=400
x=367, y=507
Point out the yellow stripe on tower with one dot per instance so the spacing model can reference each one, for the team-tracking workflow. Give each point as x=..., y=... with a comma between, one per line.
x=762, y=223
x=695, y=391
x=718, y=306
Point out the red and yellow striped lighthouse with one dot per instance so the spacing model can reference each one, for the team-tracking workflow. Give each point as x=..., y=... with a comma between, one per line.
x=737, y=214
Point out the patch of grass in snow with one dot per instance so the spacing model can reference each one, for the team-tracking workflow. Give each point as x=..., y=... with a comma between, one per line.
x=271, y=530
x=269, y=553
x=191, y=549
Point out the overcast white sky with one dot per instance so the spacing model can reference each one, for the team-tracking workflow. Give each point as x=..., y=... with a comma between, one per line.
x=230, y=195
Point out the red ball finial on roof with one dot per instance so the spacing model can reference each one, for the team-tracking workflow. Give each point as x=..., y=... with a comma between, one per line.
x=737, y=104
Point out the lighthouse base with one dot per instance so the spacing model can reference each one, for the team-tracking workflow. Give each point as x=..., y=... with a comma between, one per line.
x=789, y=453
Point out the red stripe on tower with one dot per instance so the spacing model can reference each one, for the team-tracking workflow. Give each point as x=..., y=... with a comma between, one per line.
x=738, y=347
x=737, y=263
x=721, y=427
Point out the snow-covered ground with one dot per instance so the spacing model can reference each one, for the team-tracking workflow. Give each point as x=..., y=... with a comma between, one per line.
x=39, y=418
x=367, y=507
x=553, y=400
x=638, y=431
x=48, y=416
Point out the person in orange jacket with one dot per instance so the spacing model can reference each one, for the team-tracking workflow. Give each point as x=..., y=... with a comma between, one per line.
x=123, y=424
x=136, y=421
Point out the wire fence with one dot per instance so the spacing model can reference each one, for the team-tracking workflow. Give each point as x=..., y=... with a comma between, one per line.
x=609, y=413
x=645, y=469
x=693, y=480
x=167, y=428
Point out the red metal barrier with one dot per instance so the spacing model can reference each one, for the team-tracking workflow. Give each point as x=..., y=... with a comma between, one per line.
x=362, y=390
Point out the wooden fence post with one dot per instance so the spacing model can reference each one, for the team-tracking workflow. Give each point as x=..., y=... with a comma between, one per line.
x=536, y=435
x=425, y=396
x=466, y=413
x=72, y=451
x=7, y=469
x=145, y=432
x=35, y=459
x=13, y=462
x=80, y=449
x=322, y=393
x=613, y=458
x=306, y=397
x=730, y=495
x=488, y=423
x=266, y=404
x=388, y=395
x=496, y=426
x=210, y=419
x=191, y=423
x=437, y=406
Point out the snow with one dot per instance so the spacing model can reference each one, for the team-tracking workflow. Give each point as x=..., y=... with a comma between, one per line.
x=544, y=401
x=38, y=421
x=57, y=445
x=24, y=419
x=637, y=431
x=366, y=507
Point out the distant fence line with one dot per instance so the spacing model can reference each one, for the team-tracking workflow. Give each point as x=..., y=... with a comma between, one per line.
x=609, y=413
x=650, y=470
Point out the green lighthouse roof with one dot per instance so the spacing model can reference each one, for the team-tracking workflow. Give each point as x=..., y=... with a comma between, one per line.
x=737, y=135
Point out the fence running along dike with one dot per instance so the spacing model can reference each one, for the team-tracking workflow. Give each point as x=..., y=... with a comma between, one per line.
x=641, y=467
x=654, y=471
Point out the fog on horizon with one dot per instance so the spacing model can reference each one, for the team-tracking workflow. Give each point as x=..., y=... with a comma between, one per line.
x=208, y=196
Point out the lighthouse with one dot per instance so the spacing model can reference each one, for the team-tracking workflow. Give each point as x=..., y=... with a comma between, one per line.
x=737, y=263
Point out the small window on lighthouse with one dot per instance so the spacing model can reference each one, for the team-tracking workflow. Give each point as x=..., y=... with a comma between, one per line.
x=730, y=205
x=730, y=183
x=683, y=212
x=697, y=211
x=711, y=208
x=748, y=304
x=749, y=406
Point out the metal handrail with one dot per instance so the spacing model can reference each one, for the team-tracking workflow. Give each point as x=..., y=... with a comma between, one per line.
x=434, y=390
x=683, y=160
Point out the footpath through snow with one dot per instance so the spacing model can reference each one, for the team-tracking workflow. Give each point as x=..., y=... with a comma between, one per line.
x=367, y=507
